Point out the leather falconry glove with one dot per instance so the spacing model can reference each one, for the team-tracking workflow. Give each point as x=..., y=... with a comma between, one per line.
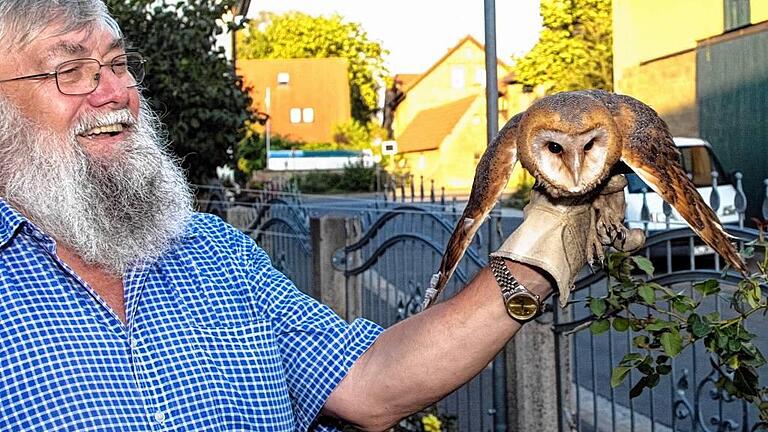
x=560, y=235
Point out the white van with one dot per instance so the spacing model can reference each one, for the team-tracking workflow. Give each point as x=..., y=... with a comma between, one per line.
x=699, y=161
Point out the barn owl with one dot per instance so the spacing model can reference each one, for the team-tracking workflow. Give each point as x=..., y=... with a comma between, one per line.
x=571, y=143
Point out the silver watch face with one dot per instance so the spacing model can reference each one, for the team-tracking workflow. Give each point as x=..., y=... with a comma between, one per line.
x=523, y=305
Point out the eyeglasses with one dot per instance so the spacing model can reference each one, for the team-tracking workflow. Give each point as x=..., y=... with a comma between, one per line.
x=81, y=76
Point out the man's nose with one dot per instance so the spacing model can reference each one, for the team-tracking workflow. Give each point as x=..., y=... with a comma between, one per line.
x=110, y=89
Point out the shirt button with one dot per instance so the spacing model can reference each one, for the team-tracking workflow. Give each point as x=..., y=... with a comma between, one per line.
x=159, y=417
x=134, y=344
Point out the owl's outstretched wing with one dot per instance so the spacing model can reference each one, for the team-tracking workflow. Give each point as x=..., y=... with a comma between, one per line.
x=491, y=176
x=648, y=149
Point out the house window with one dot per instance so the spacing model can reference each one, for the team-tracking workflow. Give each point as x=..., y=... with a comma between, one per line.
x=480, y=76
x=283, y=78
x=308, y=115
x=458, y=77
x=422, y=162
x=302, y=115
x=295, y=115
x=736, y=13
x=503, y=104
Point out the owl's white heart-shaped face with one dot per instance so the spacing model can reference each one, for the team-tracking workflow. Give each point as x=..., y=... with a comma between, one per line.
x=573, y=164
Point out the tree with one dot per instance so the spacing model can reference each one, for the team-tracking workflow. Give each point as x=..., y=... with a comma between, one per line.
x=574, y=50
x=352, y=135
x=189, y=82
x=298, y=35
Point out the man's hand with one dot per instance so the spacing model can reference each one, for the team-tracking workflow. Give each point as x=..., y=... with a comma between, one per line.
x=560, y=235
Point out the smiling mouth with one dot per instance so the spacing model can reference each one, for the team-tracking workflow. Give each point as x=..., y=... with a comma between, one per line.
x=106, y=130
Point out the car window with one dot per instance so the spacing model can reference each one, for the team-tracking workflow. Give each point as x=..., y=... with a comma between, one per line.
x=700, y=162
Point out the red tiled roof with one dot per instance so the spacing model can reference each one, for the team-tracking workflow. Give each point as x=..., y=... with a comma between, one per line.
x=406, y=79
x=430, y=127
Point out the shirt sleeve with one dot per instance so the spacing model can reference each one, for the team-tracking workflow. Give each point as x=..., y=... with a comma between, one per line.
x=318, y=347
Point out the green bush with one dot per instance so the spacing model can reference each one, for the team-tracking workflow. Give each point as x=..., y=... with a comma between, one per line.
x=189, y=80
x=354, y=178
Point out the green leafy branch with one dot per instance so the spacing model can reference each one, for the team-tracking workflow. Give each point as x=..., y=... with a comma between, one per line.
x=671, y=321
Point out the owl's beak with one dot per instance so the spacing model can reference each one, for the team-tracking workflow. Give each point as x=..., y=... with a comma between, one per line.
x=575, y=160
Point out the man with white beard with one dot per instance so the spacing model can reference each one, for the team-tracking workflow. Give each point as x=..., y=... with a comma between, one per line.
x=122, y=309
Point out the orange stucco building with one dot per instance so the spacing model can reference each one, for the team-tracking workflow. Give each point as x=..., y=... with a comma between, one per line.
x=305, y=98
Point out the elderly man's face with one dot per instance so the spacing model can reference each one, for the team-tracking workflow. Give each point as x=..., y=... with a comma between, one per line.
x=41, y=101
x=92, y=171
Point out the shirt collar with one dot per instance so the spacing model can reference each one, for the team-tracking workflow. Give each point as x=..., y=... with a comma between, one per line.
x=10, y=221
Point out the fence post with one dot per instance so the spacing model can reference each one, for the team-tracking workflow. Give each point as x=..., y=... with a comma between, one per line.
x=354, y=284
x=432, y=191
x=241, y=217
x=328, y=234
x=532, y=391
x=740, y=200
x=413, y=189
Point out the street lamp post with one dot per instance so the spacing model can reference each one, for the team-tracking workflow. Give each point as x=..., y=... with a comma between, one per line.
x=268, y=128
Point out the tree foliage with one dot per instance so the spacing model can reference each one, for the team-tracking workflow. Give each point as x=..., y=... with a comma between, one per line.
x=189, y=82
x=671, y=321
x=251, y=153
x=574, y=50
x=298, y=35
x=353, y=135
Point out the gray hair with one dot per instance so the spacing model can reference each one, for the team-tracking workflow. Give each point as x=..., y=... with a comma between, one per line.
x=21, y=21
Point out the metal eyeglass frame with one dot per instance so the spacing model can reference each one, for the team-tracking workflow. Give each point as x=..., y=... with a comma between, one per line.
x=141, y=60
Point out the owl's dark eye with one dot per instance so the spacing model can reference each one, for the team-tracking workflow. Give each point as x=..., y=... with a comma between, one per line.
x=589, y=145
x=554, y=147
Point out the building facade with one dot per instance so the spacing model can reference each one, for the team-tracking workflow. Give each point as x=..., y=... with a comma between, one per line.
x=705, y=73
x=304, y=98
x=440, y=122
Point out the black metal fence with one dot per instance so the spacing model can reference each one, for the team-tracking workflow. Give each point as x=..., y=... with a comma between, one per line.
x=390, y=264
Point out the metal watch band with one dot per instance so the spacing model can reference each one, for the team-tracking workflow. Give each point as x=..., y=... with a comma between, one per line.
x=508, y=284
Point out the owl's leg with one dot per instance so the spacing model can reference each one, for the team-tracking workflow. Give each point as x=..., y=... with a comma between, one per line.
x=594, y=240
x=609, y=210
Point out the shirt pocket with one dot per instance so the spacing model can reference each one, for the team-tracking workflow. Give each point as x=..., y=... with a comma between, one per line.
x=246, y=371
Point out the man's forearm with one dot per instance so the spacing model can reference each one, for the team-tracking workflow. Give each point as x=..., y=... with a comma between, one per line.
x=422, y=359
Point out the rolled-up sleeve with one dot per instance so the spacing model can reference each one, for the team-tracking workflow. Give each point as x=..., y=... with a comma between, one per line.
x=317, y=346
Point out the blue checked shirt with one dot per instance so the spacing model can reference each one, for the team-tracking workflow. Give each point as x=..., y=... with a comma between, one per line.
x=216, y=340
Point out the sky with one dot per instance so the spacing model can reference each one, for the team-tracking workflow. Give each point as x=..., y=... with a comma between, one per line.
x=418, y=32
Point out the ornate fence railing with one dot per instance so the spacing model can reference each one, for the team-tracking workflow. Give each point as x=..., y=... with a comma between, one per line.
x=391, y=262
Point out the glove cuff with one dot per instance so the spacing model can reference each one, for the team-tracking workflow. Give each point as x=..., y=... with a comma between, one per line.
x=547, y=239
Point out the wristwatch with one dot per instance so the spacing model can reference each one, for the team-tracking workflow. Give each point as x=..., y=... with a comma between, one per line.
x=521, y=304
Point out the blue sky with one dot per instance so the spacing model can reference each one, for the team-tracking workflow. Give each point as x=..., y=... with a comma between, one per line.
x=419, y=32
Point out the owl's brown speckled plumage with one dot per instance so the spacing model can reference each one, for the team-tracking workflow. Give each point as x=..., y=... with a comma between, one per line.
x=570, y=142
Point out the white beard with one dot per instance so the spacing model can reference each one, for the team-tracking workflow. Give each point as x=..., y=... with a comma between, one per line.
x=126, y=208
